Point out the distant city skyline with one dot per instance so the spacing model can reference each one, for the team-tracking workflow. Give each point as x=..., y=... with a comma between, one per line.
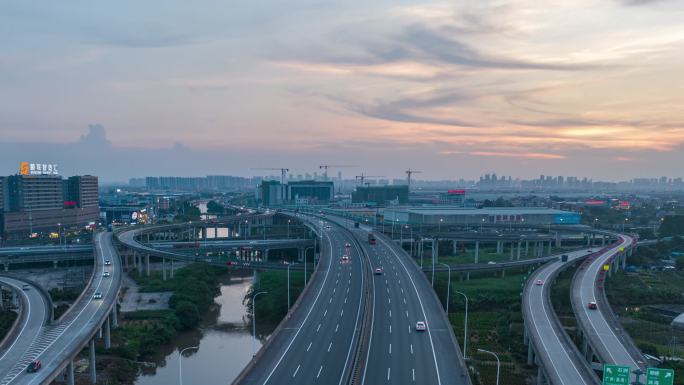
x=587, y=87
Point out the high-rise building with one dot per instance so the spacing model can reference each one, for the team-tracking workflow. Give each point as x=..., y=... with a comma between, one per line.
x=46, y=203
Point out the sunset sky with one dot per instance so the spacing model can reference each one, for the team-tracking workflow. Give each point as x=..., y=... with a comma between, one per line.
x=457, y=88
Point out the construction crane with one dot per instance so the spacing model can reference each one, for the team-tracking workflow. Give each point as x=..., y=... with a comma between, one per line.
x=410, y=172
x=326, y=166
x=283, y=172
x=362, y=177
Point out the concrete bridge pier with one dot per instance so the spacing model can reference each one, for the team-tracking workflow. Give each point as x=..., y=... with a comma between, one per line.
x=115, y=317
x=163, y=269
x=70, y=372
x=519, y=250
x=499, y=247
x=266, y=255
x=603, y=240
x=107, y=334
x=91, y=366
x=204, y=233
x=171, y=268
x=527, y=248
x=477, y=257
x=147, y=265
x=454, y=247
x=6, y=266
x=530, y=354
x=435, y=257
x=54, y=264
x=512, y=249
x=541, y=376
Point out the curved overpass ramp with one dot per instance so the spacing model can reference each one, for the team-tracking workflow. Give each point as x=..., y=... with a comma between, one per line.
x=58, y=343
x=601, y=329
x=557, y=356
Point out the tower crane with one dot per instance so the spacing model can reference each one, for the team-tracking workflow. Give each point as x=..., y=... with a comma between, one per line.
x=362, y=177
x=410, y=172
x=326, y=166
x=283, y=172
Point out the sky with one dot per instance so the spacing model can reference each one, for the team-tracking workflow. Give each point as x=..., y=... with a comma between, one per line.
x=453, y=88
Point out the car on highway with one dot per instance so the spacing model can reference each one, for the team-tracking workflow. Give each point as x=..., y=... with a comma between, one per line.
x=592, y=305
x=108, y=262
x=347, y=245
x=345, y=257
x=491, y=263
x=539, y=282
x=106, y=274
x=34, y=366
x=377, y=271
x=25, y=287
x=97, y=295
x=420, y=326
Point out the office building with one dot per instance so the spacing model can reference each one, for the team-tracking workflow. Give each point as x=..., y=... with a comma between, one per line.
x=381, y=195
x=45, y=203
x=310, y=191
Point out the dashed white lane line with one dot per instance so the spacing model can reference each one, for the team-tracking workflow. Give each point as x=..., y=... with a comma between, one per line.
x=390, y=329
x=389, y=301
x=310, y=343
x=390, y=313
x=406, y=313
x=325, y=313
x=411, y=348
x=337, y=327
x=330, y=300
x=390, y=348
x=319, y=327
x=388, y=374
x=413, y=374
x=295, y=372
x=321, y=368
x=341, y=312
x=330, y=346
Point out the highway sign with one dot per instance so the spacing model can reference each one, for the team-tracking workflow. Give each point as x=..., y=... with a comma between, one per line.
x=615, y=375
x=655, y=376
x=606, y=267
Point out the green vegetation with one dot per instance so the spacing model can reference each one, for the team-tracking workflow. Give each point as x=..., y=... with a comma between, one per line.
x=66, y=294
x=633, y=297
x=672, y=225
x=6, y=320
x=495, y=323
x=271, y=308
x=215, y=208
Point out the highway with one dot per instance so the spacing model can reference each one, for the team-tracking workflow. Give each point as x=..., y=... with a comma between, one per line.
x=403, y=296
x=316, y=342
x=45, y=249
x=610, y=345
x=56, y=344
x=562, y=362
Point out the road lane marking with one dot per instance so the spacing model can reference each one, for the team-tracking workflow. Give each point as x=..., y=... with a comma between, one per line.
x=411, y=344
x=390, y=348
x=388, y=374
x=295, y=372
x=310, y=343
x=390, y=329
x=330, y=346
x=337, y=327
x=319, y=371
x=319, y=327
x=413, y=374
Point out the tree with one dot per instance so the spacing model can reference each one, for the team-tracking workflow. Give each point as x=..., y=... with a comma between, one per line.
x=187, y=314
x=672, y=225
x=215, y=208
x=679, y=263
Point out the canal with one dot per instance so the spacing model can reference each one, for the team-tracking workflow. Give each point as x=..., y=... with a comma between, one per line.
x=224, y=339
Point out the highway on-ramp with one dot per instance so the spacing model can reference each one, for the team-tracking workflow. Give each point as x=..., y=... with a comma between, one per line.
x=315, y=345
x=562, y=362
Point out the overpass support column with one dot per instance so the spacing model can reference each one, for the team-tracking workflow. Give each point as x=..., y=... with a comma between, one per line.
x=526, y=337
x=603, y=240
x=163, y=268
x=512, y=249
x=477, y=258
x=70, y=373
x=519, y=249
x=115, y=317
x=530, y=354
x=147, y=265
x=266, y=255
x=527, y=248
x=541, y=377
x=624, y=261
x=91, y=366
x=454, y=247
x=498, y=247
x=435, y=257
x=171, y=269
x=204, y=233
x=6, y=265
x=107, y=334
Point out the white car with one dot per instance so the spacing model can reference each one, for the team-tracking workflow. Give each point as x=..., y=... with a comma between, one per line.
x=420, y=326
x=539, y=282
x=97, y=295
x=345, y=257
x=347, y=245
x=108, y=262
x=377, y=271
x=106, y=274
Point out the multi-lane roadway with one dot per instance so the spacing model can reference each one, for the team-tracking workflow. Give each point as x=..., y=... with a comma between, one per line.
x=316, y=345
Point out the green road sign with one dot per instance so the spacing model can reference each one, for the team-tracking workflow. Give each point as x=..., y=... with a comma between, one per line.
x=655, y=376
x=615, y=375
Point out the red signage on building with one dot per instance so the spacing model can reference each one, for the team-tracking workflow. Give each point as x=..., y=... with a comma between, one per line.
x=456, y=192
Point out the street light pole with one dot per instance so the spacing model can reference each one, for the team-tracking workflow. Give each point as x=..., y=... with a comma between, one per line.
x=254, y=321
x=465, y=327
x=180, y=363
x=448, y=288
x=288, y=283
x=498, y=363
